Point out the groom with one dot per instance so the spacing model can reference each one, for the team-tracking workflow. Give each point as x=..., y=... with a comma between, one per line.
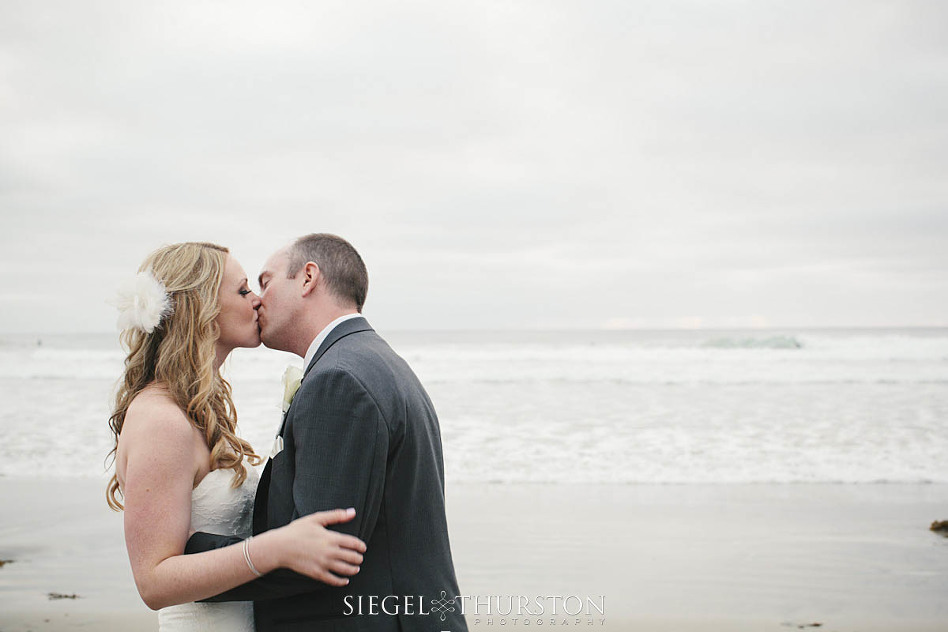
x=360, y=432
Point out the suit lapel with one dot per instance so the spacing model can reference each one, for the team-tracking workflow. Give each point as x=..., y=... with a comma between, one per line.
x=340, y=331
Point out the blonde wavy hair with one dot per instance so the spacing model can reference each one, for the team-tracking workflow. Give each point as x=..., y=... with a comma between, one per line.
x=179, y=354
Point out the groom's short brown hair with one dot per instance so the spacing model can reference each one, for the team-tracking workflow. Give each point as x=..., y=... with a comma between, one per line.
x=340, y=264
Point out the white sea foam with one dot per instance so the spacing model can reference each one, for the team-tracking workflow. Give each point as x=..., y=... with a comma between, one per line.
x=643, y=407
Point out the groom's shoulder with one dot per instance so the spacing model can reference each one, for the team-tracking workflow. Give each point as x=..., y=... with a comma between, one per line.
x=358, y=348
x=365, y=356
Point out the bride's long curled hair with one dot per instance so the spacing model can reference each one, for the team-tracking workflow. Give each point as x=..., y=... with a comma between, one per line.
x=179, y=354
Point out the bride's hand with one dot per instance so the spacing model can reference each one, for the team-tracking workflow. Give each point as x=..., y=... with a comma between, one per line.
x=311, y=549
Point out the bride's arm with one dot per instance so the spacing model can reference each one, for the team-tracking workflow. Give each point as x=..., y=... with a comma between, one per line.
x=160, y=466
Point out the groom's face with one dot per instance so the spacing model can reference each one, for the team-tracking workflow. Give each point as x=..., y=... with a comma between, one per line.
x=280, y=302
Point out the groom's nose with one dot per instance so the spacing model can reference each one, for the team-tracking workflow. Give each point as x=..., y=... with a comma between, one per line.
x=255, y=302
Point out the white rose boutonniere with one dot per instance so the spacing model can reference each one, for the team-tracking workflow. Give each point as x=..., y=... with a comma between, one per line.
x=292, y=378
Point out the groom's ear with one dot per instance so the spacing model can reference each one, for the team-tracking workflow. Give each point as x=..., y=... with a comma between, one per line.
x=311, y=278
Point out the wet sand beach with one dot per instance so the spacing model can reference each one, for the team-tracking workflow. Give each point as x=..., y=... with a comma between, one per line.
x=655, y=557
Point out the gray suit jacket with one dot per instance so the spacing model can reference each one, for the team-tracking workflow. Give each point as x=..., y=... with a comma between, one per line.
x=361, y=432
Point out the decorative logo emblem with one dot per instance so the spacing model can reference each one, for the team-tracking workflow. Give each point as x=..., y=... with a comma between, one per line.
x=443, y=605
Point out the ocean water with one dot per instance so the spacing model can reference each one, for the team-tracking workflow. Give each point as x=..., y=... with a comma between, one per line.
x=624, y=407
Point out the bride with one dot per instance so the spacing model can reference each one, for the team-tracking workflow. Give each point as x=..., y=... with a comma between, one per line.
x=179, y=464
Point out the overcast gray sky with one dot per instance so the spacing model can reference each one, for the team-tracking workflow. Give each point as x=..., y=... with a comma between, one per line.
x=499, y=164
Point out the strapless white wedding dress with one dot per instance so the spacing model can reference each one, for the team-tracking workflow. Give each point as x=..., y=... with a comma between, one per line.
x=216, y=507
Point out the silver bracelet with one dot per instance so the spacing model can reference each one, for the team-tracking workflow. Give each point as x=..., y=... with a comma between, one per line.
x=247, y=557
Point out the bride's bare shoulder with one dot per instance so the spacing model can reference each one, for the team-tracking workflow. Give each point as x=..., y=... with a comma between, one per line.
x=156, y=432
x=154, y=409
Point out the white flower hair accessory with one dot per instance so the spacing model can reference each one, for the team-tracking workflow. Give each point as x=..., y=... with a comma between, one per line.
x=142, y=302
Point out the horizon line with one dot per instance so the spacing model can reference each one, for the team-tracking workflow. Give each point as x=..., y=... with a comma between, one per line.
x=554, y=329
